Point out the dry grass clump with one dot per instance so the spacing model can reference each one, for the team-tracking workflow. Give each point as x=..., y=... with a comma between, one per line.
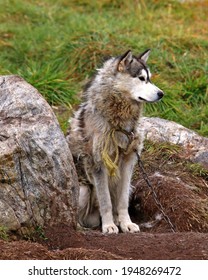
x=185, y=205
x=181, y=190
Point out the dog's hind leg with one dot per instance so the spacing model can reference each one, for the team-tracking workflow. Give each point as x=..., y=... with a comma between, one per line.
x=89, y=215
x=103, y=194
x=124, y=220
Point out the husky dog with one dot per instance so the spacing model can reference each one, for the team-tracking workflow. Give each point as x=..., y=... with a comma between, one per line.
x=104, y=136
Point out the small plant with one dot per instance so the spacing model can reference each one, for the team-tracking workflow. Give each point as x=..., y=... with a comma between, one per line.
x=40, y=233
x=197, y=170
x=4, y=233
x=34, y=234
x=161, y=150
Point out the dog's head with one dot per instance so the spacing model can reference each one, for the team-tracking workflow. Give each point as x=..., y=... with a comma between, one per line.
x=134, y=76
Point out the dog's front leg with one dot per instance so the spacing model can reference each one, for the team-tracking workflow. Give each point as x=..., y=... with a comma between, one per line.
x=104, y=199
x=124, y=220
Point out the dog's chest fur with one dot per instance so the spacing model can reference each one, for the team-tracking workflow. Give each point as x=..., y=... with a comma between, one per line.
x=119, y=111
x=91, y=126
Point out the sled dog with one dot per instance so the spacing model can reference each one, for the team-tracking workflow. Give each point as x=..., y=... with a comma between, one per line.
x=103, y=137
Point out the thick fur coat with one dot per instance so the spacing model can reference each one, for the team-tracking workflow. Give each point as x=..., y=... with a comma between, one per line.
x=104, y=137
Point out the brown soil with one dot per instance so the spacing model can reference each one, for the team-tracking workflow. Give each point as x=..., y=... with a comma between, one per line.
x=184, y=196
x=65, y=244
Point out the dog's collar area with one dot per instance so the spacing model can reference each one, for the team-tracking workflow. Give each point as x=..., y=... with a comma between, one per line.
x=130, y=135
x=112, y=164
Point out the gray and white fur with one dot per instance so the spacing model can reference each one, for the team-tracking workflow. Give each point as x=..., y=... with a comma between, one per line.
x=113, y=101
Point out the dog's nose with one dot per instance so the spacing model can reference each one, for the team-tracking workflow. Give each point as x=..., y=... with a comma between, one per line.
x=160, y=94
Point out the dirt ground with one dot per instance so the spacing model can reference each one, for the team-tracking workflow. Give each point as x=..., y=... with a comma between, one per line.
x=182, y=190
x=64, y=244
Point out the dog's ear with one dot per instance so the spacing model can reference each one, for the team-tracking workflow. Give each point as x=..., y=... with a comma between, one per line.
x=124, y=61
x=144, y=56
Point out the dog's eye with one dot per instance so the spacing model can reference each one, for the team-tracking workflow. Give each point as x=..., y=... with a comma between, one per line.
x=142, y=78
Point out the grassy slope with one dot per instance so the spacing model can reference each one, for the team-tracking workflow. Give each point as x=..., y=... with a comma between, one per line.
x=56, y=44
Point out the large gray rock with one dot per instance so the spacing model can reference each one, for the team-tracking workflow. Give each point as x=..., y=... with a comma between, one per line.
x=38, y=181
x=160, y=130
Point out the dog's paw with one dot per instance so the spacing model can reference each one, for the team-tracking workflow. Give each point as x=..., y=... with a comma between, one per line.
x=129, y=227
x=110, y=229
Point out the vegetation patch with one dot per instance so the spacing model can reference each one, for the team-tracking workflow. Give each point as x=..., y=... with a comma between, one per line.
x=4, y=233
x=56, y=45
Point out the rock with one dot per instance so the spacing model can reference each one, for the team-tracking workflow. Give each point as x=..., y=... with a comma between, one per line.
x=38, y=181
x=160, y=130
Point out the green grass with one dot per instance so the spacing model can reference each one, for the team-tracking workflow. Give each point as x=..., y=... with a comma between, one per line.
x=56, y=45
x=4, y=233
x=166, y=153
